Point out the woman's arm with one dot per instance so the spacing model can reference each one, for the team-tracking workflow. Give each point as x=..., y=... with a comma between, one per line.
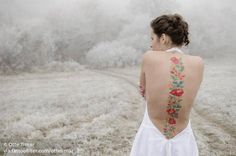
x=142, y=80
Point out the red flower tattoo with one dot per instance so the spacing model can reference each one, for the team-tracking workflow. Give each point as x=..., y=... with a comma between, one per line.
x=177, y=92
x=174, y=60
x=172, y=121
x=176, y=89
x=170, y=111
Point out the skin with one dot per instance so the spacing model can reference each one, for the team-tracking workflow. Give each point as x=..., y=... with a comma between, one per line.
x=155, y=82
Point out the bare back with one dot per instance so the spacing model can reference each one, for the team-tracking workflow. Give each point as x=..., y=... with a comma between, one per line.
x=172, y=82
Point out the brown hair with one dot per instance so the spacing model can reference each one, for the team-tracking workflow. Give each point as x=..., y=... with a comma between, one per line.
x=172, y=25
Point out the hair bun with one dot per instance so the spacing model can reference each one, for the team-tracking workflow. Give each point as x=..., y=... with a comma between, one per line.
x=175, y=20
x=177, y=17
x=173, y=25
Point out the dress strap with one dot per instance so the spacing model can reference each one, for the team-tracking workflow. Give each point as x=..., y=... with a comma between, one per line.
x=175, y=49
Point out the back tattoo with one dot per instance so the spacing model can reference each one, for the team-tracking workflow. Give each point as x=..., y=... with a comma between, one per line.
x=175, y=96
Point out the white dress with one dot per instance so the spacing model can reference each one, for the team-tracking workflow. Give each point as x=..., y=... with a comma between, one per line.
x=149, y=141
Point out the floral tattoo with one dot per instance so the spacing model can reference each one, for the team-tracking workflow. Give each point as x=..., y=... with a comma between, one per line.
x=175, y=96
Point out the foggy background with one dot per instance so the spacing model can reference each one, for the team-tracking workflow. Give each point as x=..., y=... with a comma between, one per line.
x=52, y=94
x=55, y=34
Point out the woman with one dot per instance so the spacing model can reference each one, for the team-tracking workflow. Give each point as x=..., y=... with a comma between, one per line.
x=169, y=82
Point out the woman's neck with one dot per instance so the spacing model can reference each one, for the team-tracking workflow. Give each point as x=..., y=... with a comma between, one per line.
x=172, y=46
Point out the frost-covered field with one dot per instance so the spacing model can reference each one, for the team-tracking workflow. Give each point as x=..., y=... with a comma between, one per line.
x=98, y=112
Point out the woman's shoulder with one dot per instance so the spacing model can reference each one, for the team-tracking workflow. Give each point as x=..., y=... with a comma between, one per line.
x=194, y=59
x=195, y=62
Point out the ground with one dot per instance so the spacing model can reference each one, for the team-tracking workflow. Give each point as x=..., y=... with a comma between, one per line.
x=98, y=112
